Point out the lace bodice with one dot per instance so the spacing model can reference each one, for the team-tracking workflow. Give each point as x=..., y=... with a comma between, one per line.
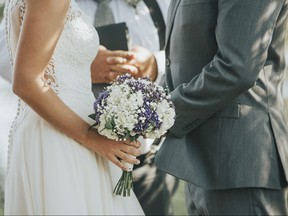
x=68, y=72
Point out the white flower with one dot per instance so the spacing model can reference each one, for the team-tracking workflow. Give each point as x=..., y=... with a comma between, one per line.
x=123, y=114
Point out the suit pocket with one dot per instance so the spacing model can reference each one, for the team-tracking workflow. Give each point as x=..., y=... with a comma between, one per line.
x=232, y=110
x=193, y=2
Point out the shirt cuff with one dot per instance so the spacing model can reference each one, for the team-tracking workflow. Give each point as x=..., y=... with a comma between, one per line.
x=160, y=59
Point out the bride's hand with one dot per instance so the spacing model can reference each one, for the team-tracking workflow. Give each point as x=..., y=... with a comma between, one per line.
x=115, y=151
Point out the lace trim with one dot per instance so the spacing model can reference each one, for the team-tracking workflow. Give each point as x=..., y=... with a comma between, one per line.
x=20, y=115
x=9, y=6
x=50, y=75
x=7, y=11
x=73, y=12
x=50, y=78
x=21, y=105
x=22, y=6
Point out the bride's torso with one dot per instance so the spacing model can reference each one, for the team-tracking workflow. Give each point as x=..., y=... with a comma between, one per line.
x=68, y=72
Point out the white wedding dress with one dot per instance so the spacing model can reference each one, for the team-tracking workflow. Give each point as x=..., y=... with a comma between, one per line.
x=48, y=172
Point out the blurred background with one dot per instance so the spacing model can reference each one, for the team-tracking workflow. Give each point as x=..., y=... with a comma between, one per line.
x=1, y=8
x=7, y=104
x=2, y=134
x=1, y=175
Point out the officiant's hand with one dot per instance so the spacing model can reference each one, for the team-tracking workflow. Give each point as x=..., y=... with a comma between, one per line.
x=103, y=71
x=115, y=151
x=145, y=62
x=142, y=60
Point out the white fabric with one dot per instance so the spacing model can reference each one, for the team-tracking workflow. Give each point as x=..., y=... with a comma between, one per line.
x=8, y=105
x=48, y=172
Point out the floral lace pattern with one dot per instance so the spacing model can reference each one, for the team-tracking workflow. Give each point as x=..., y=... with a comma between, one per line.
x=68, y=71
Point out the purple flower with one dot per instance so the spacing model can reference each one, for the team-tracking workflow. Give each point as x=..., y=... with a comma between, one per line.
x=100, y=104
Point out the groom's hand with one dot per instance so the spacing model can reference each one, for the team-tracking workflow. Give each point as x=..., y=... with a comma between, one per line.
x=109, y=64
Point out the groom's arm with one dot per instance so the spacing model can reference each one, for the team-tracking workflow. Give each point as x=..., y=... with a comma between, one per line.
x=243, y=33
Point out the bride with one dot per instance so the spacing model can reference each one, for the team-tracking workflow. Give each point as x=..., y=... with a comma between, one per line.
x=56, y=165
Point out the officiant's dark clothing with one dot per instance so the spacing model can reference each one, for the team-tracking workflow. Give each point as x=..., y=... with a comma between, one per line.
x=225, y=68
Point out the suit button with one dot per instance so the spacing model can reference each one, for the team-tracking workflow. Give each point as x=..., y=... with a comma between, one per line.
x=168, y=62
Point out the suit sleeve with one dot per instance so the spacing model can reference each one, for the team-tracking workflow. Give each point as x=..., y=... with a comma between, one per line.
x=244, y=31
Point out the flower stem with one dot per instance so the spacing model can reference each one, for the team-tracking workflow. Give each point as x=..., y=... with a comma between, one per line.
x=124, y=185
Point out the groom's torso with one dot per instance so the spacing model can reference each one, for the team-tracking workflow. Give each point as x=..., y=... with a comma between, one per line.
x=243, y=144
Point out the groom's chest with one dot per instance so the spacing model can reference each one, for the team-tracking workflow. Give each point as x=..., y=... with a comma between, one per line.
x=192, y=17
x=191, y=40
x=191, y=28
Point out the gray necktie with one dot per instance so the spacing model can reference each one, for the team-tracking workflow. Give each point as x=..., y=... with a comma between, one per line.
x=104, y=14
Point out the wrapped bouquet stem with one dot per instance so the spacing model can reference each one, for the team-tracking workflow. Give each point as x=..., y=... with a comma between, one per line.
x=130, y=108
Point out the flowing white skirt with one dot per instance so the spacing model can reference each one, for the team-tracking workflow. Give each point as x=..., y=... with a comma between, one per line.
x=50, y=173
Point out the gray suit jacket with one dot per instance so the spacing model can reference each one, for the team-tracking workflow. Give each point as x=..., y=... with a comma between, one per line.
x=225, y=66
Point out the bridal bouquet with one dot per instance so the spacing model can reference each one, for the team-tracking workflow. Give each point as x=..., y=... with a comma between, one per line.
x=130, y=108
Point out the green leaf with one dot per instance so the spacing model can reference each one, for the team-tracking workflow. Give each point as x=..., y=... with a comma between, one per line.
x=109, y=125
x=95, y=124
x=93, y=116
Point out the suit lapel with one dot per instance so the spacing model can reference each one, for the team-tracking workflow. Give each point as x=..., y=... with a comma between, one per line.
x=172, y=12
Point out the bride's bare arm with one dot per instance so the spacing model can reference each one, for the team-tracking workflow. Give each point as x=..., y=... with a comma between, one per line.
x=42, y=26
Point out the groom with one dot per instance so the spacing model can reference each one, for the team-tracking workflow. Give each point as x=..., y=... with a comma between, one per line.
x=225, y=66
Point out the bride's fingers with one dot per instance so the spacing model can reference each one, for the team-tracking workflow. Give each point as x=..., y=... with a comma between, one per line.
x=135, y=143
x=127, y=158
x=130, y=150
x=118, y=163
